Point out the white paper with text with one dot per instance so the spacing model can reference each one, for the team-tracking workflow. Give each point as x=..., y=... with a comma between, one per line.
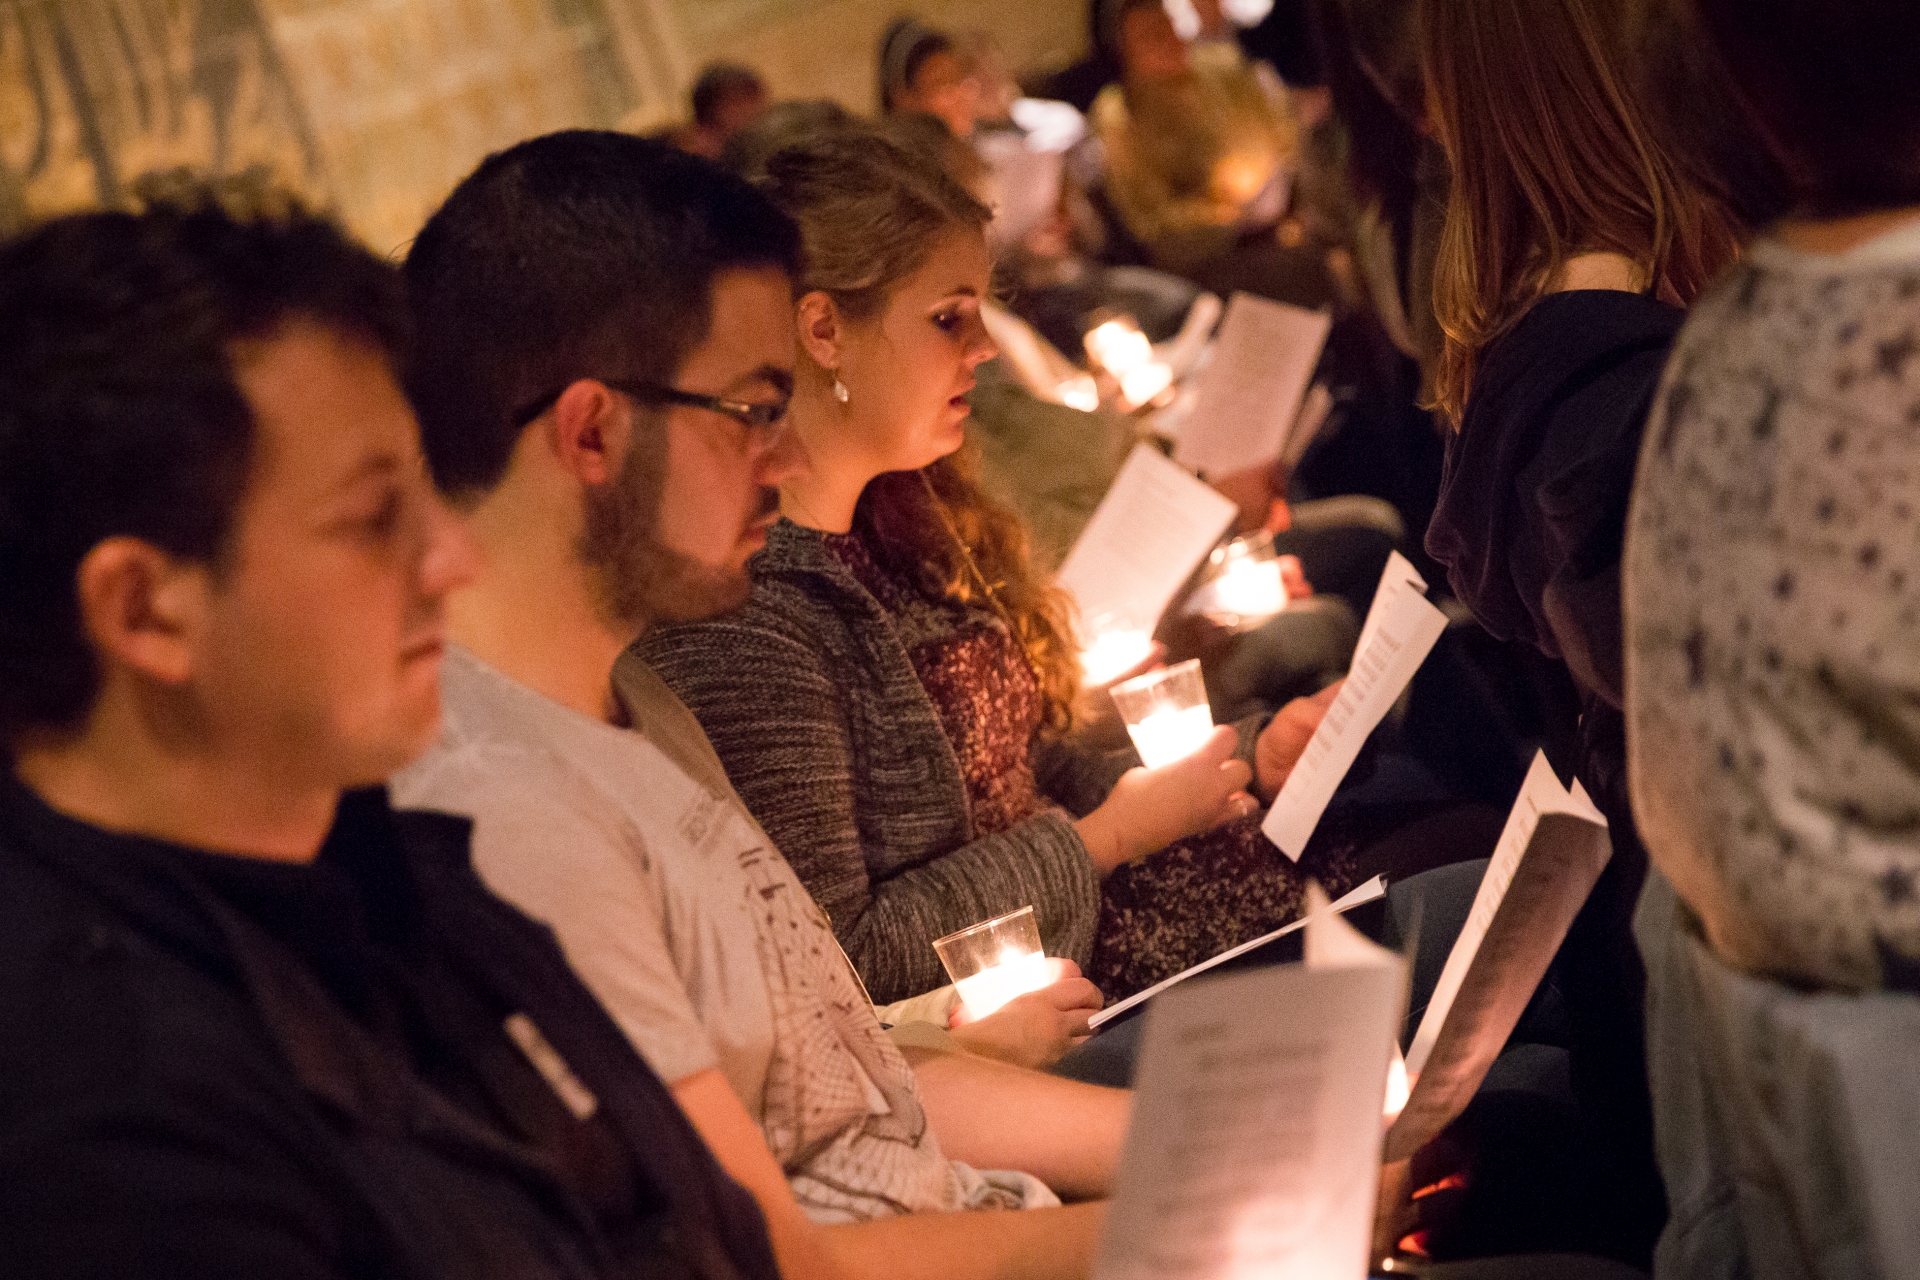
x=1251, y=390
x=1254, y=1149
x=1370, y=891
x=1540, y=793
x=1552, y=851
x=1400, y=631
x=1150, y=532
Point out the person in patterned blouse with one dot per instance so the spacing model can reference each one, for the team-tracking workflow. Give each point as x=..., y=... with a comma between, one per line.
x=1772, y=577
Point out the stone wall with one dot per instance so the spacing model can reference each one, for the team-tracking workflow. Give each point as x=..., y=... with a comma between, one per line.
x=377, y=107
x=825, y=48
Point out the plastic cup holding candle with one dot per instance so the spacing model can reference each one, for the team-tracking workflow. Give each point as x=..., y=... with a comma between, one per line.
x=1118, y=346
x=994, y=961
x=1166, y=713
x=1245, y=587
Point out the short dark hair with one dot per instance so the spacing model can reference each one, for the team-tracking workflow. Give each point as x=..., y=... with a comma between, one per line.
x=1831, y=85
x=119, y=410
x=720, y=81
x=577, y=255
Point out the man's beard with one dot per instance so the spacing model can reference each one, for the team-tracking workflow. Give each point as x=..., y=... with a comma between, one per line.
x=639, y=580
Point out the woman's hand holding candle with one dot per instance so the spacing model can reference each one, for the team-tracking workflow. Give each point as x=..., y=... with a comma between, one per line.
x=1034, y=1030
x=1149, y=809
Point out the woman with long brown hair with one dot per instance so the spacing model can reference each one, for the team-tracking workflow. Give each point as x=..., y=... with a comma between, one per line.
x=1573, y=242
x=895, y=704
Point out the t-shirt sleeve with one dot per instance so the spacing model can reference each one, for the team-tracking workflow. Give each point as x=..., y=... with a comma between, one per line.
x=552, y=844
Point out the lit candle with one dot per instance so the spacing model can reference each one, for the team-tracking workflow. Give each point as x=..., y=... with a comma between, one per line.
x=994, y=961
x=1143, y=383
x=1080, y=392
x=1251, y=589
x=1171, y=734
x=1399, y=1088
x=1015, y=974
x=1114, y=653
x=1119, y=347
x=1166, y=713
x=1245, y=586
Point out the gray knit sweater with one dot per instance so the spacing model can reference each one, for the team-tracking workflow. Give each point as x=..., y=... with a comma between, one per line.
x=812, y=703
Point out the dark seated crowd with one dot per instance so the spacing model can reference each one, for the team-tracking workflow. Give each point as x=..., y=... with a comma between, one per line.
x=481, y=734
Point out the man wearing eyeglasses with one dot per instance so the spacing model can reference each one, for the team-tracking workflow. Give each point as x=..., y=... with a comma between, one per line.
x=606, y=351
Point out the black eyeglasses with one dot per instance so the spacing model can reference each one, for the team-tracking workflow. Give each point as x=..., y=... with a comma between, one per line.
x=759, y=419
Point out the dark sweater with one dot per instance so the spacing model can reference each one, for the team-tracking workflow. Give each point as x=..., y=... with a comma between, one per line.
x=1533, y=501
x=811, y=701
x=1531, y=524
x=218, y=1068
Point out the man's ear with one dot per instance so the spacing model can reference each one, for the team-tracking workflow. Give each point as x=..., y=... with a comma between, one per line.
x=588, y=431
x=822, y=331
x=142, y=608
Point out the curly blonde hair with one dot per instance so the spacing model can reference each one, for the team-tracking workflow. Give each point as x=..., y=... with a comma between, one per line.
x=871, y=209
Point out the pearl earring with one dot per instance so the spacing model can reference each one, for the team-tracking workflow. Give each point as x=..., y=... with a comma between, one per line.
x=839, y=388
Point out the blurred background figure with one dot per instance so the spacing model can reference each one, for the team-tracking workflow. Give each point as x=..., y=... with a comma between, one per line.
x=726, y=98
x=925, y=70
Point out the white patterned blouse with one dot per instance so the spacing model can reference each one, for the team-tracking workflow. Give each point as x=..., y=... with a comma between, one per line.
x=1772, y=597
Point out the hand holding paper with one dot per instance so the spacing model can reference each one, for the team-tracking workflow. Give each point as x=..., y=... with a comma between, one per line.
x=1400, y=631
x=1281, y=744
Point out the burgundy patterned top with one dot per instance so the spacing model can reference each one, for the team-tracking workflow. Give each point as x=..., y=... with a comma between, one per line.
x=1184, y=904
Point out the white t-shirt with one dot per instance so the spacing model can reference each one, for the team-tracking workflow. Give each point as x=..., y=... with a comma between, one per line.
x=698, y=939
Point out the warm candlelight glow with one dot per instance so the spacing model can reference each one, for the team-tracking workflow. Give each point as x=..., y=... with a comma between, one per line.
x=1119, y=347
x=1143, y=384
x=1168, y=735
x=1252, y=589
x=1246, y=586
x=1080, y=392
x=1399, y=1087
x=1166, y=713
x=1112, y=654
x=990, y=989
x=994, y=961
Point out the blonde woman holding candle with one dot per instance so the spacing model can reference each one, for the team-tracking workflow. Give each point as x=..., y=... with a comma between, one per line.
x=895, y=703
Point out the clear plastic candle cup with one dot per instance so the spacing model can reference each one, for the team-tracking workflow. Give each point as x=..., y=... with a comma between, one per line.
x=994, y=961
x=1166, y=713
x=1245, y=585
x=1118, y=346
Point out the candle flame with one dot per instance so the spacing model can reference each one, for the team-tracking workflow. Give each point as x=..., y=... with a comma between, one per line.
x=1114, y=653
x=1143, y=384
x=1080, y=392
x=1399, y=1087
x=1119, y=347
